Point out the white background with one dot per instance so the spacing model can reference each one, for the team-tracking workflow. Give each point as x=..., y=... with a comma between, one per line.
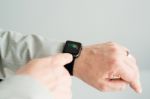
x=89, y=21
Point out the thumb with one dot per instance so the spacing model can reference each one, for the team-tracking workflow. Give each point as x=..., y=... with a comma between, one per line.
x=63, y=58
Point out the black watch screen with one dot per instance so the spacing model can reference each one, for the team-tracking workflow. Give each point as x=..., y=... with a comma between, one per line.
x=73, y=48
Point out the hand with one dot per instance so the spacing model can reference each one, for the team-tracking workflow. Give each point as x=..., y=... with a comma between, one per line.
x=107, y=67
x=50, y=72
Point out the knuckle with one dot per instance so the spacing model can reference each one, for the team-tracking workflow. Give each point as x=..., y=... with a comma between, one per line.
x=113, y=47
x=111, y=43
x=113, y=62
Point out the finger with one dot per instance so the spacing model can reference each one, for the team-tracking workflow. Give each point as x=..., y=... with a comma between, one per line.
x=62, y=59
x=116, y=85
x=130, y=76
x=136, y=85
x=131, y=63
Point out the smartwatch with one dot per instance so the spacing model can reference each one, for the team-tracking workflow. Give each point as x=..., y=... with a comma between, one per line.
x=73, y=48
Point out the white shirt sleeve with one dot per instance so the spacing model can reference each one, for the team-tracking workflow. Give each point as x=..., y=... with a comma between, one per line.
x=23, y=87
x=17, y=49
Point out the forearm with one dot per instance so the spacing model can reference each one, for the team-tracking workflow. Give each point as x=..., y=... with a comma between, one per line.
x=17, y=49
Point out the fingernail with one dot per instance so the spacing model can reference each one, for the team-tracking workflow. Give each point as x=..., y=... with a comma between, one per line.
x=139, y=90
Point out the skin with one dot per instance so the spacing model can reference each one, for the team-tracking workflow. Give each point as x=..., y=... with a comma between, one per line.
x=51, y=73
x=107, y=67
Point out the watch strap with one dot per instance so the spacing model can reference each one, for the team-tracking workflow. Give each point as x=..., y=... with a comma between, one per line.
x=70, y=66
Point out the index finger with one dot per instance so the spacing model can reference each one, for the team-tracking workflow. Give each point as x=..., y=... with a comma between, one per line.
x=132, y=77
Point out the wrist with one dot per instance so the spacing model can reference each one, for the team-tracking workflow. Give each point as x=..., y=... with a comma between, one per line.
x=78, y=64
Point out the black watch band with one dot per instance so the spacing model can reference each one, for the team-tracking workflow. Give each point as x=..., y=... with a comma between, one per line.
x=73, y=48
x=70, y=66
x=1, y=80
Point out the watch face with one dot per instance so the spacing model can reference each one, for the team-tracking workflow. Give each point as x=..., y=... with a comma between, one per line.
x=72, y=47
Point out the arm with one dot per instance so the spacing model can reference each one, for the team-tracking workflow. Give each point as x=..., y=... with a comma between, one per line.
x=96, y=64
x=17, y=49
x=23, y=87
x=108, y=67
x=39, y=79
